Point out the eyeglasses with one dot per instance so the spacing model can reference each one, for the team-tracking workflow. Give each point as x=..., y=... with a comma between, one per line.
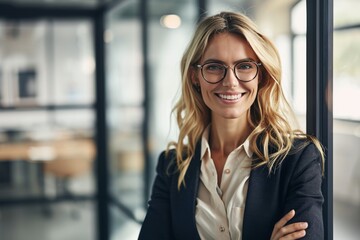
x=215, y=72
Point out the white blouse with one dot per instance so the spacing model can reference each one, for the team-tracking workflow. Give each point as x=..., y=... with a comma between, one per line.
x=220, y=210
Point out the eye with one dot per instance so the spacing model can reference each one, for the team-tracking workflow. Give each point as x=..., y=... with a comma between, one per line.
x=245, y=66
x=213, y=68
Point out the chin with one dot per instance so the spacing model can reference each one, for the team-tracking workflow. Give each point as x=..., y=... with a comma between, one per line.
x=233, y=115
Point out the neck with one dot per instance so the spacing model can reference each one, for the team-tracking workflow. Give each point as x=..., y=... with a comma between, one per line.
x=228, y=134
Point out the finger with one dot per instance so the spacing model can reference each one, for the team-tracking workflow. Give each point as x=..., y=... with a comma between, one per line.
x=281, y=223
x=290, y=229
x=284, y=220
x=294, y=235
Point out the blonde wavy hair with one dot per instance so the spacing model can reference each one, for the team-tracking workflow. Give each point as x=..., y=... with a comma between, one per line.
x=271, y=116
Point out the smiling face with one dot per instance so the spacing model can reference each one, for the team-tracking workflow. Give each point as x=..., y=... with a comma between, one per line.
x=230, y=98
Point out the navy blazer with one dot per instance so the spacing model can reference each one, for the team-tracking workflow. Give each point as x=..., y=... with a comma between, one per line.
x=296, y=184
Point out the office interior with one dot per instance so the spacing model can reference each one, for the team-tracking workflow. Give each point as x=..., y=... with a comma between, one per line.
x=86, y=92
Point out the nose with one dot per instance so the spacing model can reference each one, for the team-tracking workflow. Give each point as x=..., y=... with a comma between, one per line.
x=230, y=79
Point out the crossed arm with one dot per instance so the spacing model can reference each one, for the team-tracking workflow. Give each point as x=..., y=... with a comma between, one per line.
x=305, y=196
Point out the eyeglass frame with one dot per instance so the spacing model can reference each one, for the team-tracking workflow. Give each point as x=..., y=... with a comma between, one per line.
x=258, y=64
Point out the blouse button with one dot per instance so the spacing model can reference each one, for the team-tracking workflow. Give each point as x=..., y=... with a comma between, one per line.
x=222, y=229
x=227, y=171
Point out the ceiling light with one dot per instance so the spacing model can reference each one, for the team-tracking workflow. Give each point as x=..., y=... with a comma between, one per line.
x=170, y=21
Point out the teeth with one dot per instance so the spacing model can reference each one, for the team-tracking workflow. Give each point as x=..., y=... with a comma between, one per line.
x=230, y=97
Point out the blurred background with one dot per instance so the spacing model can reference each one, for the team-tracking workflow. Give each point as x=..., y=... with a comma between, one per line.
x=79, y=141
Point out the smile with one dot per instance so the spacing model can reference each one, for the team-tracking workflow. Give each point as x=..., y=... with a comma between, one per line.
x=230, y=96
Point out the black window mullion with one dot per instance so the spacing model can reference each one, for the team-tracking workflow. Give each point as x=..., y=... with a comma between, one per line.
x=319, y=110
x=102, y=182
x=144, y=10
x=202, y=9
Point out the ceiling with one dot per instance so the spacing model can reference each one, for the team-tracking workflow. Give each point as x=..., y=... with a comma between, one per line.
x=85, y=3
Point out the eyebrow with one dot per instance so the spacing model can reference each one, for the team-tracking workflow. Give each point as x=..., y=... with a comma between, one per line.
x=213, y=60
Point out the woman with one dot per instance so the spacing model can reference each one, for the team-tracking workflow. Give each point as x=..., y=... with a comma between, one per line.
x=238, y=170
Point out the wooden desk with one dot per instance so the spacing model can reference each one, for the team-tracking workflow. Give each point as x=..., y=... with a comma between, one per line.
x=63, y=158
x=49, y=150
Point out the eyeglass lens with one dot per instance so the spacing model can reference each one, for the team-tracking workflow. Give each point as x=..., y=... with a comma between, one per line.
x=215, y=72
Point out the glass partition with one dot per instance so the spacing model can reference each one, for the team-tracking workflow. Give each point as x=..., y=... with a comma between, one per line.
x=346, y=95
x=168, y=27
x=125, y=117
x=171, y=25
x=346, y=13
x=47, y=124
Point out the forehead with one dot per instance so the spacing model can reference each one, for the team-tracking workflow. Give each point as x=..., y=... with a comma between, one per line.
x=228, y=47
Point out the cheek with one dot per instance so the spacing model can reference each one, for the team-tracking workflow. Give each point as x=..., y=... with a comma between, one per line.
x=252, y=87
x=205, y=87
x=207, y=94
x=205, y=91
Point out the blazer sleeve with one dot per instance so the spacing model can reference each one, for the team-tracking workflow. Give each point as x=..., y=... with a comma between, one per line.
x=157, y=222
x=304, y=193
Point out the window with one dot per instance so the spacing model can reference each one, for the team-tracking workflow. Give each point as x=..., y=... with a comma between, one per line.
x=346, y=95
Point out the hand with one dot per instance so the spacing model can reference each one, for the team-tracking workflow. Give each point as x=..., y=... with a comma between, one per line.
x=288, y=232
